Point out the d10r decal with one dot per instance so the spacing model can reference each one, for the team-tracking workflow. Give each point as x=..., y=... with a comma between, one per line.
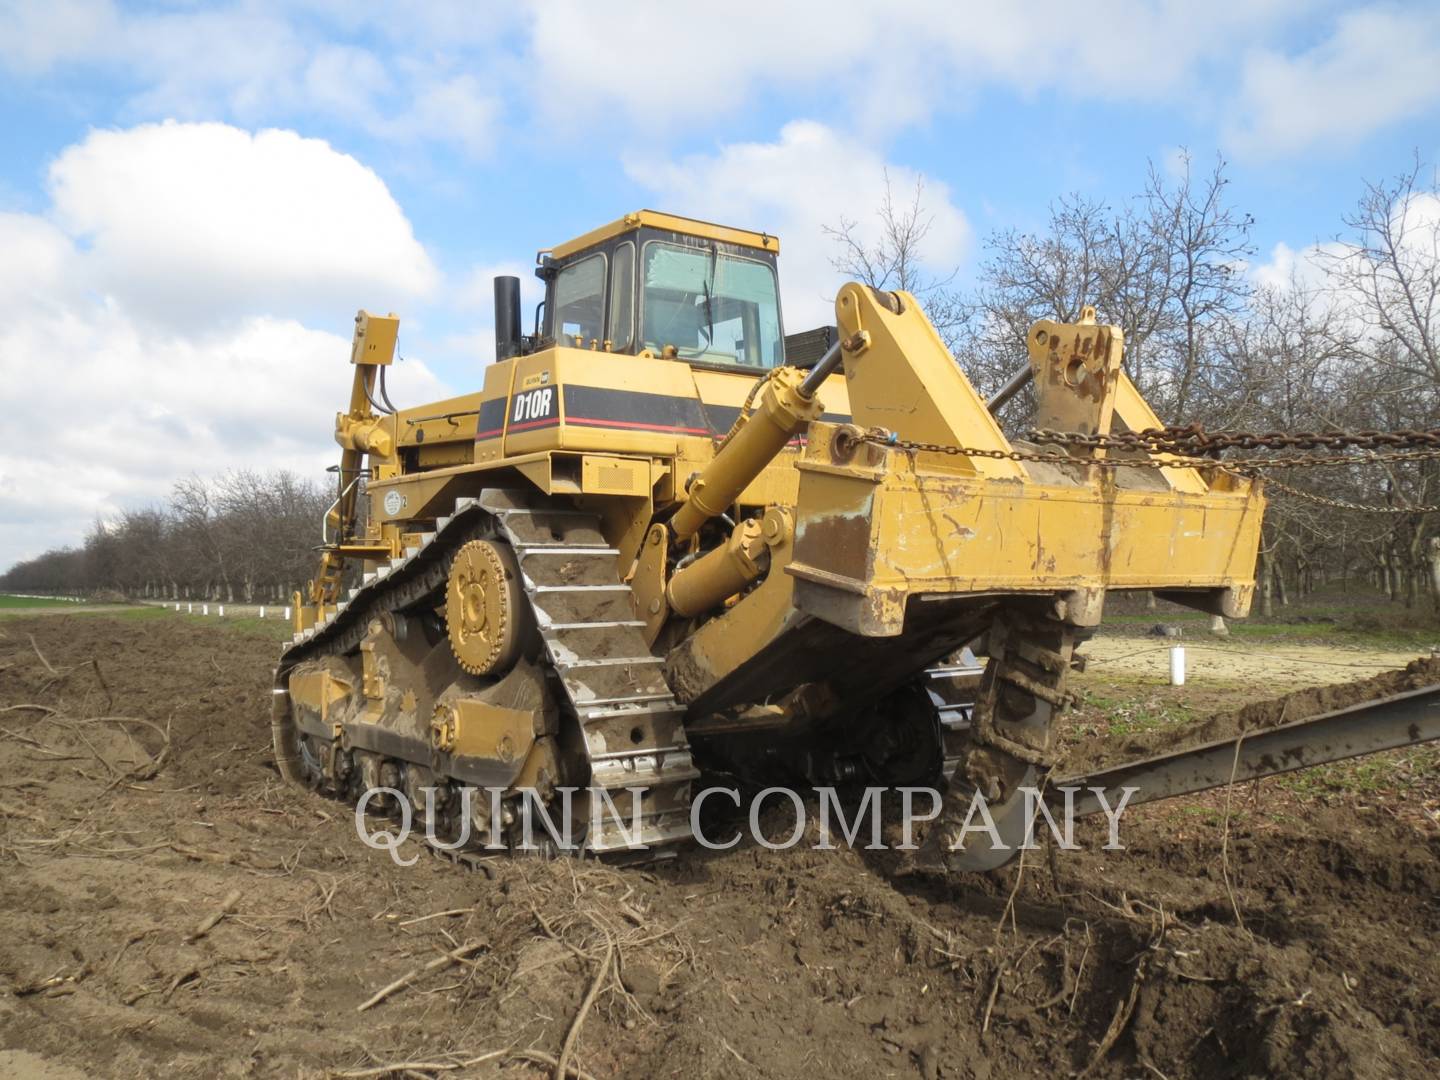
x=534, y=408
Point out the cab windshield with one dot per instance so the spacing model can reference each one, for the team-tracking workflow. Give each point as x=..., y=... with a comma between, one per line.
x=711, y=306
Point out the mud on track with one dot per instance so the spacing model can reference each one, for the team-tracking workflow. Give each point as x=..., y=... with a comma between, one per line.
x=119, y=838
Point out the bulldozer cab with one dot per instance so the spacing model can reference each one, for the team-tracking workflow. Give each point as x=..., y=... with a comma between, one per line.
x=657, y=285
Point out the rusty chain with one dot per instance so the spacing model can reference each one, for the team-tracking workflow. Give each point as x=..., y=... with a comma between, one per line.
x=1194, y=439
x=1342, y=504
x=1188, y=447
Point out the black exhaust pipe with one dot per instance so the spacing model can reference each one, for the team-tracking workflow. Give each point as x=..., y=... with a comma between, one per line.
x=507, y=317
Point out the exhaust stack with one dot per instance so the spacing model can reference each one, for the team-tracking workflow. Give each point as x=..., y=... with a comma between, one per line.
x=507, y=317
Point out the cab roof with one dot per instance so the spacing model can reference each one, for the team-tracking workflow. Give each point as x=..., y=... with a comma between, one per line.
x=673, y=223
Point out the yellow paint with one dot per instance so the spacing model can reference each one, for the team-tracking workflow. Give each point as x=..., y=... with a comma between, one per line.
x=855, y=533
x=318, y=690
x=673, y=223
x=375, y=337
x=470, y=727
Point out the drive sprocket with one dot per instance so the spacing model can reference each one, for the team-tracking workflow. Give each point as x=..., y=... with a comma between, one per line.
x=482, y=608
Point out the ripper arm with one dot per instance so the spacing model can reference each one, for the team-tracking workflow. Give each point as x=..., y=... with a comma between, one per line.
x=361, y=430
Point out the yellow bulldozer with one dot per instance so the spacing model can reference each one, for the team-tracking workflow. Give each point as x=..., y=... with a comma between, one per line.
x=662, y=537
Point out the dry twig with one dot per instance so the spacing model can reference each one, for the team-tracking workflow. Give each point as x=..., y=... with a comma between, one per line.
x=578, y=1022
x=109, y=697
x=1122, y=1015
x=212, y=920
x=420, y=1066
x=451, y=957
x=437, y=915
x=539, y=1057
x=41, y=655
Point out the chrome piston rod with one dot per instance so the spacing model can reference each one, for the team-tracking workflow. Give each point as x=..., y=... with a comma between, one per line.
x=822, y=370
x=1013, y=386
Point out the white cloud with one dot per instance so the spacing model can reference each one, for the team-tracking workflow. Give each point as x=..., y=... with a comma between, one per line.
x=415, y=105
x=457, y=109
x=155, y=408
x=258, y=62
x=37, y=257
x=891, y=63
x=446, y=72
x=42, y=33
x=442, y=72
x=189, y=223
x=1381, y=64
x=473, y=298
x=475, y=292
x=345, y=81
x=1416, y=230
x=811, y=177
x=147, y=346
x=1289, y=268
x=1340, y=280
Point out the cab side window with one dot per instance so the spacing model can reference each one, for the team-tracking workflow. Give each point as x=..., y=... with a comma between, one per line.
x=580, y=302
x=622, y=298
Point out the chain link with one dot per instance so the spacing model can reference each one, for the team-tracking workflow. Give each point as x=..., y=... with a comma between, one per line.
x=1194, y=439
x=1342, y=504
x=1188, y=447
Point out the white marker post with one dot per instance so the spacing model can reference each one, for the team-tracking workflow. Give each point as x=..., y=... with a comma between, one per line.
x=262, y=612
x=204, y=609
x=1177, y=665
x=287, y=614
x=221, y=611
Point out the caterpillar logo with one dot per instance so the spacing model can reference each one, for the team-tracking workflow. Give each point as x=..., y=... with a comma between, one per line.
x=534, y=408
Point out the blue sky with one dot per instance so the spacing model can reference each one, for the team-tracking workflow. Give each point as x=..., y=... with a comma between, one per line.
x=194, y=198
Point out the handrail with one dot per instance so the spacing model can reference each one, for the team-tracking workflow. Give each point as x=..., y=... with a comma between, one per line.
x=325, y=518
x=413, y=420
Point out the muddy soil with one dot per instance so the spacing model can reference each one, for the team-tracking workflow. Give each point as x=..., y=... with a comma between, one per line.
x=1306, y=950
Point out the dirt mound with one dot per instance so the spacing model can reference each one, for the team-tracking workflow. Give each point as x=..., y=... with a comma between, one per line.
x=1256, y=716
x=120, y=840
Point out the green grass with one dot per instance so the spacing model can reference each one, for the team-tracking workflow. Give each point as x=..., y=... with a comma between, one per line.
x=1412, y=771
x=90, y=612
x=273, y=629
x=1211, y=815
x=1358, y=619
x=8, y=601
x=1128, y=705
x=1348, y=630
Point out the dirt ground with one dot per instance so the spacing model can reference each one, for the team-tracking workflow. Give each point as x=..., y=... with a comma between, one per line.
x=1211, y=662
x=1261, y=945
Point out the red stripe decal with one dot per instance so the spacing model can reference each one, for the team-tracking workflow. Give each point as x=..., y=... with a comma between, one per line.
x=552, y=421
x=586, y=421
x=593, y=422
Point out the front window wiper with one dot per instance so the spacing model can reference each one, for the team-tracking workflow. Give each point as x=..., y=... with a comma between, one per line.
x=709, y=299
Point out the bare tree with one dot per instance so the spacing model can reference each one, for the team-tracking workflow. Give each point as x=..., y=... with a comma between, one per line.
x=1387, y=272
x=1199, y=245
x=241, y=534
x=896, y=258
x=1167, y=267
